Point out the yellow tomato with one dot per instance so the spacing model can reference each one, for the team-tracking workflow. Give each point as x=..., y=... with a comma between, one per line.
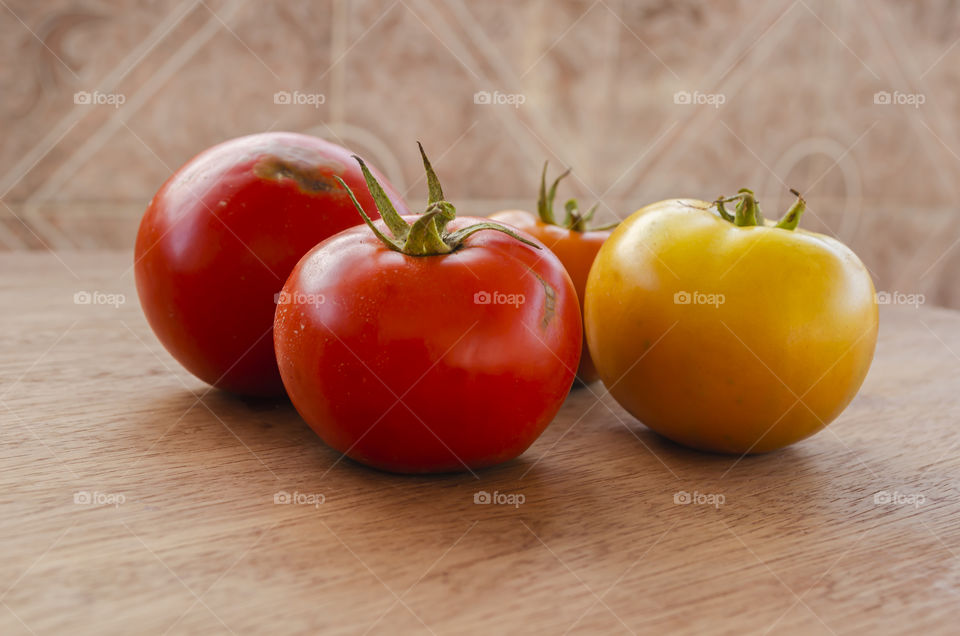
x=729, y=334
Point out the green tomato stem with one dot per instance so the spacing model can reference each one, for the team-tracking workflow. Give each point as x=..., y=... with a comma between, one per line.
x=748, y=212
x=791, y=219
x=458, y=236
x=389, y=242
x=433, y=183
x=746, y=209
x=571, y=214
x=398, y=227
x=572, y=220
x=543, y=211
x=427, y=236
x=726, y=216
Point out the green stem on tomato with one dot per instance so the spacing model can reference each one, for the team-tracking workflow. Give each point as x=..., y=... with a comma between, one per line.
x=389, y=242
x=791, y=219
x=461, y=234
x=433, y=183
x=427, y=235
x=572, y=220
x=748, y=214
x=393, y=220
x=726, y=216
x=545, y=200
x=746, y=209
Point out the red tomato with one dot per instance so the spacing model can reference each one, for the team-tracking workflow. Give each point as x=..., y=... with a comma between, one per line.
x=420, y=356
x=219, y=239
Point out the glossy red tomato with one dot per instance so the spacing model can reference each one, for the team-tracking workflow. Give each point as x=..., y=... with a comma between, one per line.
x=439, y=349
x=219, y=239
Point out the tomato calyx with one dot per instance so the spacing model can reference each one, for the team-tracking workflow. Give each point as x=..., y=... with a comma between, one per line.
x=428, y=235
x=747, y=212
x=573, y=219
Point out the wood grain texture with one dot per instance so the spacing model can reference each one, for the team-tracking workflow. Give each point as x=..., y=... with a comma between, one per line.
x=90, y=402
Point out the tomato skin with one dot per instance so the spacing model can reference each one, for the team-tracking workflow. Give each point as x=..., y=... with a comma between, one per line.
x=798, y=319
x=219, y=239
x=363, y=327
x=576, y=250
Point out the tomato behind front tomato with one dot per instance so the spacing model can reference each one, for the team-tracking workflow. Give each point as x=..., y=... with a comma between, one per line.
x=576, y=250
x=414, y=361
x=573, y=242
x=221, y=236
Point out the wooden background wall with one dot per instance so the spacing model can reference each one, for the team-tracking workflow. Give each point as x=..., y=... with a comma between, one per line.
x=791, y=93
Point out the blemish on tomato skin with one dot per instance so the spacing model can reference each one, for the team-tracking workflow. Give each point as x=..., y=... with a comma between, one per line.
x=550, y=301
x=310, y=178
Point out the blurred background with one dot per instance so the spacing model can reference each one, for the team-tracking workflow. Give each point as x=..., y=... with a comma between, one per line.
x=853, y=103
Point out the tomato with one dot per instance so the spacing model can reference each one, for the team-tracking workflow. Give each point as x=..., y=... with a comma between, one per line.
x=574, y=244
x=219, y=239
x=729, y=333
x=438, y=348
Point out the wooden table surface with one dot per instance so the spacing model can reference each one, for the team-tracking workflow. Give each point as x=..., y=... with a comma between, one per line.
x=182, y=534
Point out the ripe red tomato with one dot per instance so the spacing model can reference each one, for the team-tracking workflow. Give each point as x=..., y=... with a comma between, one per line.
x=219, y=239
x=436, y=350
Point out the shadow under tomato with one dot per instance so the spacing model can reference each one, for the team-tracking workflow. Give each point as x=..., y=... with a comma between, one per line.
x=797, y=484
x=219, y=418
x=196, y=421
